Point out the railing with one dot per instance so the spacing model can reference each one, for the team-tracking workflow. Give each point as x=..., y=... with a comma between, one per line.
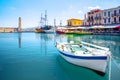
x=97, y=17
x=103, y=48
x=117, y=14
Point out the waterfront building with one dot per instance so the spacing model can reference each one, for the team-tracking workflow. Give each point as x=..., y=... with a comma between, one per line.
x=94, y=17
x=102, y=17
x=74, y=22
x=8, y=29
x=1, y=29
x=111, y=16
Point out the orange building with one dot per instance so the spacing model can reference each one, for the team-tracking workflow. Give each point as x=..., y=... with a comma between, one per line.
x=74, y=22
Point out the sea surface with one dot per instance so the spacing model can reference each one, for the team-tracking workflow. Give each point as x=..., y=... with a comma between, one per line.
x=33, y=56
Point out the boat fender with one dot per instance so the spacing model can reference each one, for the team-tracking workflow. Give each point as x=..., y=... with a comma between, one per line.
x=80, y=45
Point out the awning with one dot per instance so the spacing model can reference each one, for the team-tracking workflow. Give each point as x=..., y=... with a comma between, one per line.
x=118, y=27
x=98, y=27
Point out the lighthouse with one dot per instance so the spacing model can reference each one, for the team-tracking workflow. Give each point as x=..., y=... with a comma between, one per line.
x=19, y=25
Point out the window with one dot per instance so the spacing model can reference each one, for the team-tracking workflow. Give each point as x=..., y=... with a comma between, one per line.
x=108, y=20
x=70, y=23
x=104, y=13
x=105, y=21
x=108, y=13
x=119, y=19
x=115, y=20
x=99, y=14
x=114, y=12
x=74, y=22
x=96, y=15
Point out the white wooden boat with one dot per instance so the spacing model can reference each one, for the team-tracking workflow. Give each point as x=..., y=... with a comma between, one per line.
x=85, y=55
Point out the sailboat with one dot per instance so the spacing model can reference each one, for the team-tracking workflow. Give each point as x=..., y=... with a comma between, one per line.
x=44, y=27
x=39, y=28
x=47, y=28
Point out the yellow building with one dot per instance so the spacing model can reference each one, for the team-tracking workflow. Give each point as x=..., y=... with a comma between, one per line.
x=74, y=22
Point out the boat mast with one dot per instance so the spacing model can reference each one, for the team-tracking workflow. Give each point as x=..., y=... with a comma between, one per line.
x=54, y=25
x=41, y=21
x=60, y=23
x=45, y=17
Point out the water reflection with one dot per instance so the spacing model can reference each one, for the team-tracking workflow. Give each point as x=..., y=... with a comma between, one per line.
x=45, y=41
x=19, y=40
x=44, y=36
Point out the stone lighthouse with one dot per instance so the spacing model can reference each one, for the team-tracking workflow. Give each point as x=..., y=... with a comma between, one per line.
x=19, y=25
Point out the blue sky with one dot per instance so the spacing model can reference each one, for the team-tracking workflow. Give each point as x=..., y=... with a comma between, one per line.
x=30, y=10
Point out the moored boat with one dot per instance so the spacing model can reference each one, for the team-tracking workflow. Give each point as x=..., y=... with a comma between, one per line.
x=60, y=31
x=85, y=55
x=38, y=30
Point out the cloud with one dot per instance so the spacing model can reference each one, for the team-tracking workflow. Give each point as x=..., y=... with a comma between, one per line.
x=95, y=7
x=12, y=8
x=80, y=12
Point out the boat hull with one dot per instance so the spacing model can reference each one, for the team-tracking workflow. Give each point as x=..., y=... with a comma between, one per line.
x=39, y=31
x=48, y=31
x=60, y=32
x=95, y=63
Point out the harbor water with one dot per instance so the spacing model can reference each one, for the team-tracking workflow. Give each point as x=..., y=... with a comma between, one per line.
x=33, y=56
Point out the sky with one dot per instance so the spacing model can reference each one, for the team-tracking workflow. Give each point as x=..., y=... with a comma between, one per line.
x=30, y=10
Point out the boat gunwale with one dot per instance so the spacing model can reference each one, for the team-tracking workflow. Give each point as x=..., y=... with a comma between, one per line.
x=83, y=57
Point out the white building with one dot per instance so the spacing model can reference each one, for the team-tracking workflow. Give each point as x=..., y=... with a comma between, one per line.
x=102, y=17
x=111, y=16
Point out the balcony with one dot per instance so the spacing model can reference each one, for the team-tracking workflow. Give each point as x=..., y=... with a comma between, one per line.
x=116, y=15
x=89, y=20
x=115, y=22
x=97, y=18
